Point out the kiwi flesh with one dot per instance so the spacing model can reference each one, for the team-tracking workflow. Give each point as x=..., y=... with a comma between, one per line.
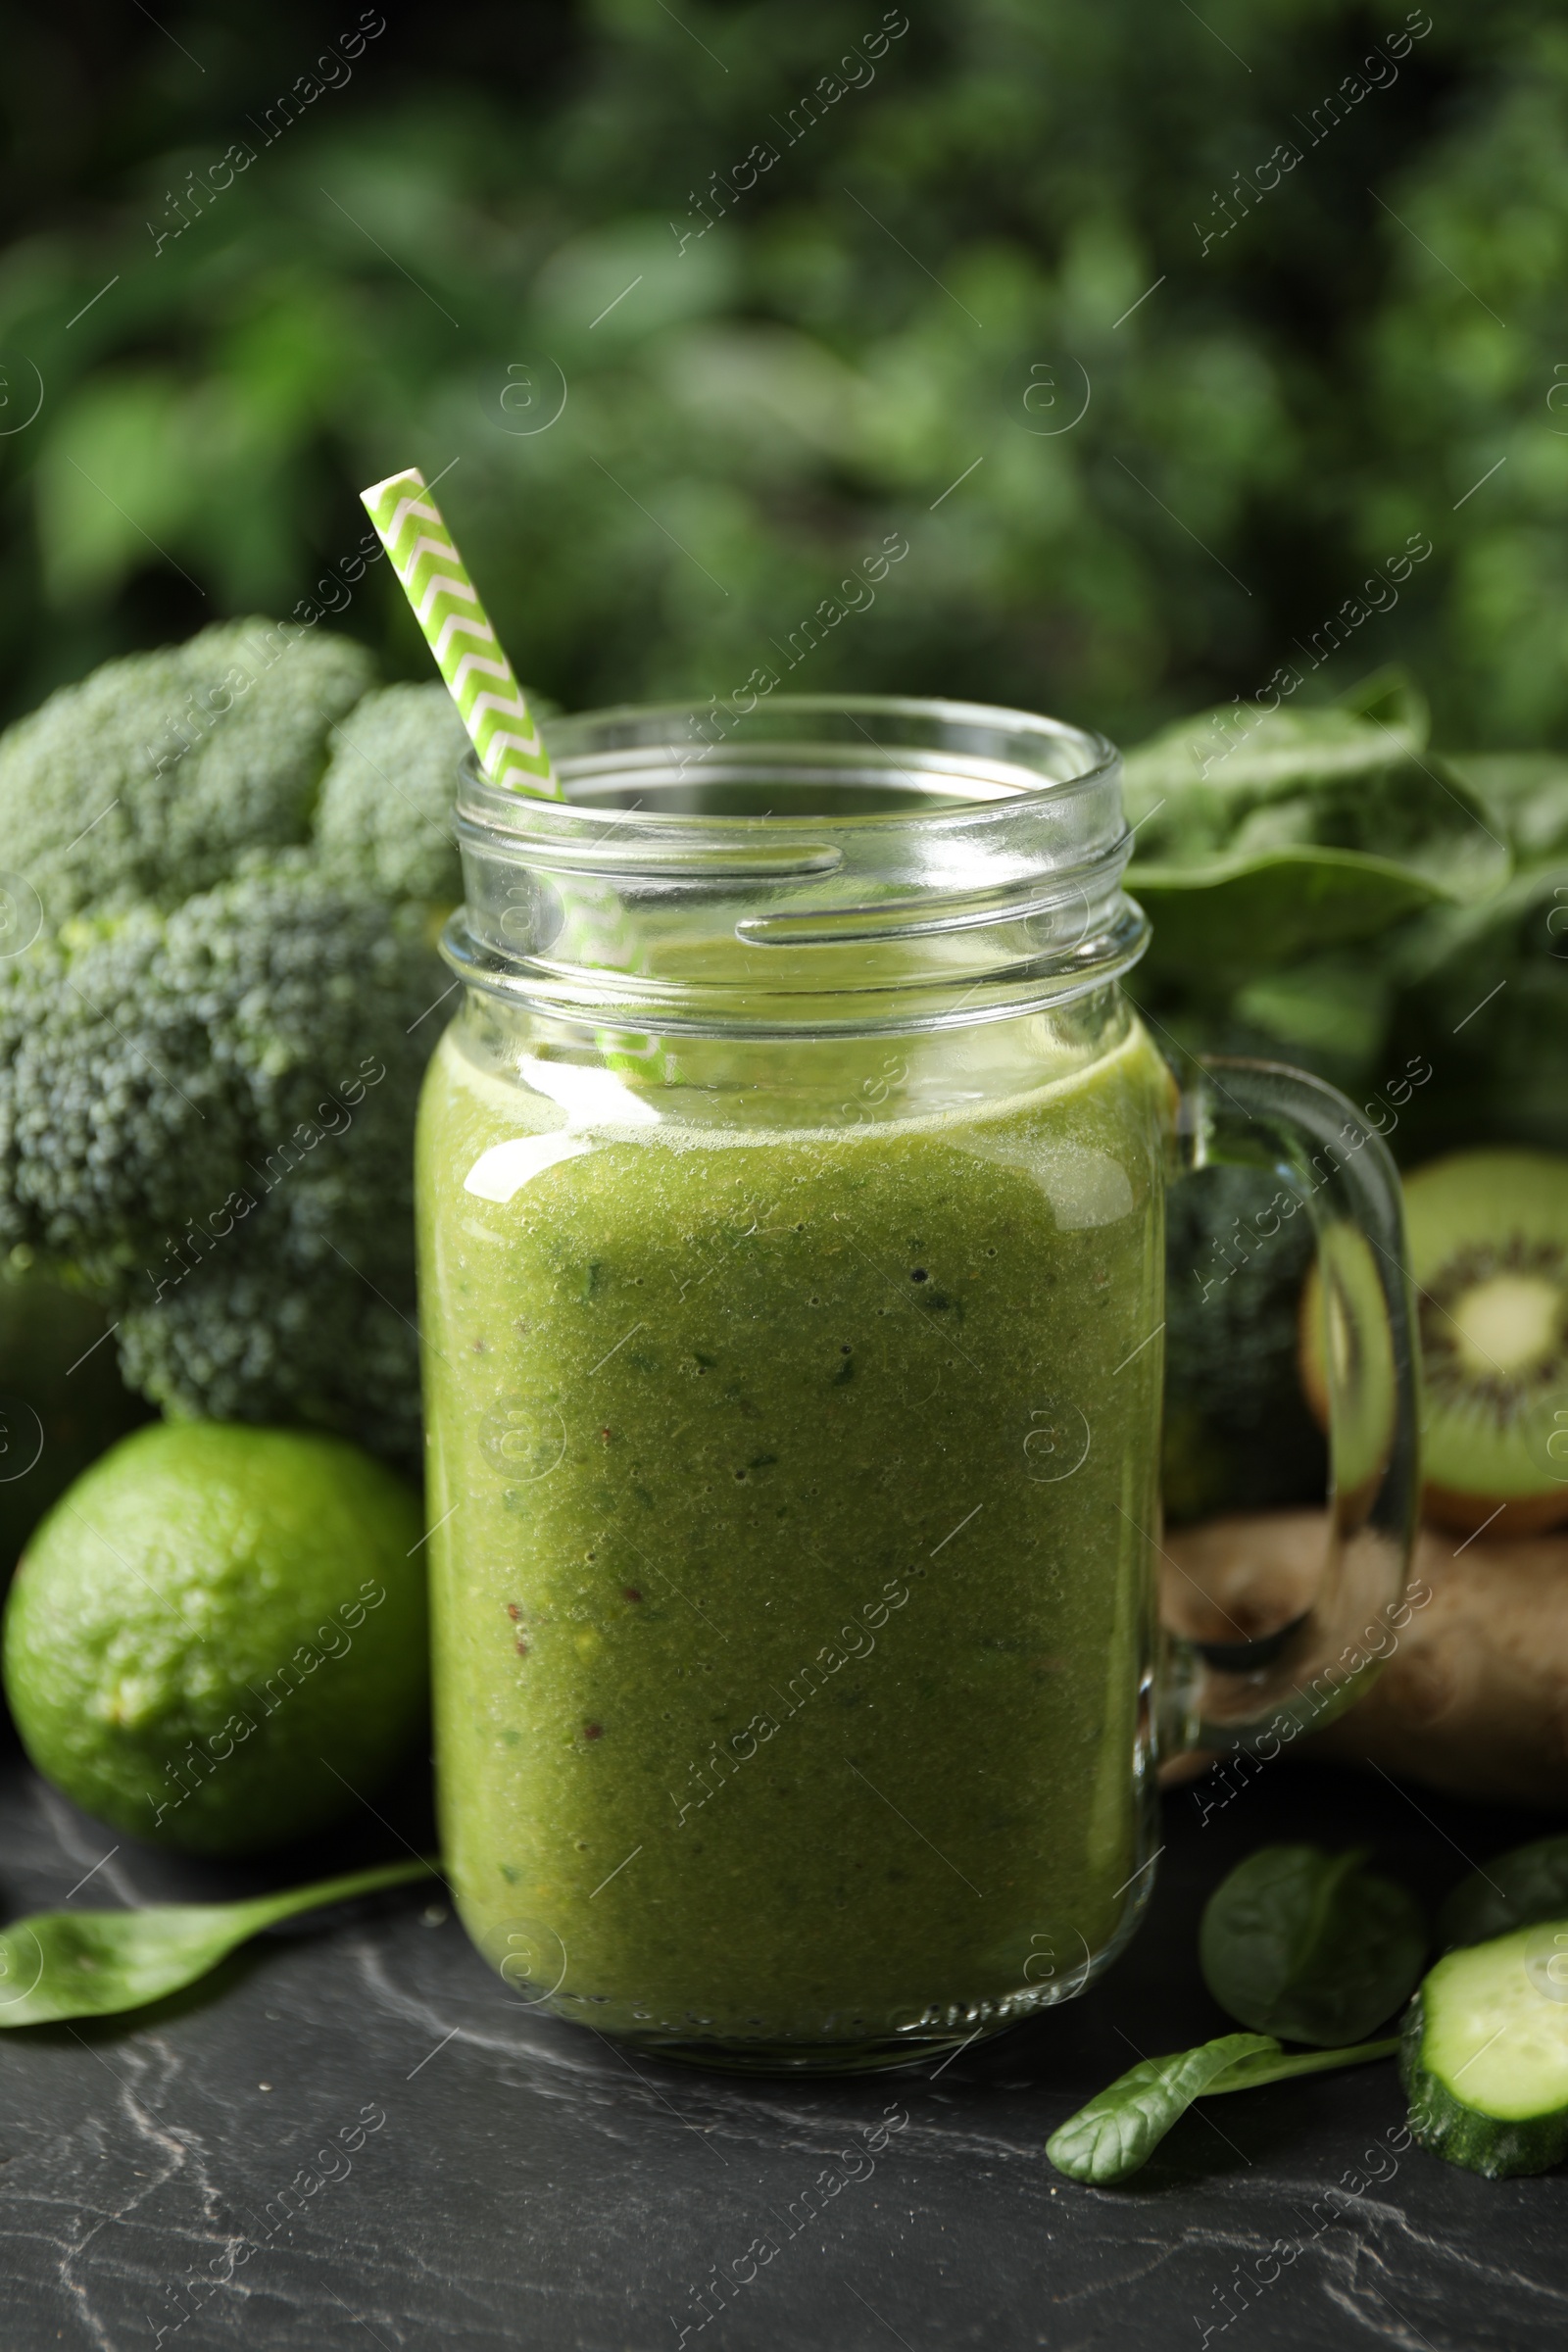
x=1487, y=1235
x=1344, y=1322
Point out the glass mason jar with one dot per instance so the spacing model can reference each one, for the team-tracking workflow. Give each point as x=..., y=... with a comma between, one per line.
x=791, y=1195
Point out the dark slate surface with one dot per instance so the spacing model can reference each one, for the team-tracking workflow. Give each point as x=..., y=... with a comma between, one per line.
x=528, y=2185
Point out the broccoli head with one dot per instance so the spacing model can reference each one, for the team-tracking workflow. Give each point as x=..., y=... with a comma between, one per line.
x=210, y=1058
x=385, y=813
x=153, y=775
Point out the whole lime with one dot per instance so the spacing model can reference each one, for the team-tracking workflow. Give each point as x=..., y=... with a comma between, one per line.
x=217, y=1640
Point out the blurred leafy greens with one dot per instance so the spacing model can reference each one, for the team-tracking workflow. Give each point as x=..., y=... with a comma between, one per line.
x=394, y=273
x=1266, y=836
x=1418, y=919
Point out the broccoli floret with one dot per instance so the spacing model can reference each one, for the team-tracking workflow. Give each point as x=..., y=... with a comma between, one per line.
x=209, y=1111
x=385, y=812
x=245, y=1345
x=114, y=1121
x=210, y=1058
x=149, y=778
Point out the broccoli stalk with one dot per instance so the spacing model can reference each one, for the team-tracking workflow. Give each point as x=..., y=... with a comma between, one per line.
x=209, y=1056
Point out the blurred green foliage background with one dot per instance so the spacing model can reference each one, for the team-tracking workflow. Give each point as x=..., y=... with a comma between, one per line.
x=479, y=213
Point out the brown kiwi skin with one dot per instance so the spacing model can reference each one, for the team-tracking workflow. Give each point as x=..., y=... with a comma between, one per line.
x=1440, y=1506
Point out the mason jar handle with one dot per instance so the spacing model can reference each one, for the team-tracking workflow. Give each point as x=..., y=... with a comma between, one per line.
x=1334, y=1628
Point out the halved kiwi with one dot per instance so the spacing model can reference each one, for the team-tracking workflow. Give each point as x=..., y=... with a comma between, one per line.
x=1488, y=1255
x=1346, y=1323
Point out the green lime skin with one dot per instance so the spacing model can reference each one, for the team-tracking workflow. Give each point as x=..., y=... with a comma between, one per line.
x=217, y=1640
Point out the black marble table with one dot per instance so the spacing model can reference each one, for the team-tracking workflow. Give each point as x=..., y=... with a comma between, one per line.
x=353, y=2135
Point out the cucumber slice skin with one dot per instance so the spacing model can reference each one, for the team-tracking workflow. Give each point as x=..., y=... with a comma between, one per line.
x=1496, y=2147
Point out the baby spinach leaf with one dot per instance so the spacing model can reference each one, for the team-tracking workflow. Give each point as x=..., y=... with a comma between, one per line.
x=1331, y=1008
x=1122, y=2125
x=1265, y=835
x=1251, y=2073
x=1506, y=1072
x=1225, y=763
x=1519, y=1888
x=1222, y=923
x=1309, y=1945
x=60, y=1964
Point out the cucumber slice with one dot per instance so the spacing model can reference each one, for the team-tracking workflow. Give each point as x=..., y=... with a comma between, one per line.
x=1485, y=2055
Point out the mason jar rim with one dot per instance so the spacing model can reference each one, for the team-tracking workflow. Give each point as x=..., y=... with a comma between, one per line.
x=668, y=896
x=574, y=752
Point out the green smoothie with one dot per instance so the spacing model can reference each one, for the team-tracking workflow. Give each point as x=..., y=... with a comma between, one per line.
x=792, y=1491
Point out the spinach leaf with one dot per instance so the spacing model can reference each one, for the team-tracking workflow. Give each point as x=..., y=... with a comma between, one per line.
x=1251, y=2073
x=1329, y=1008
x=1121, y=2127
x=1519, y=1888
x=62, y=1964
x=1505, y=1073
x=1264, y=836
x=1221, y=925
x=1308, y=1944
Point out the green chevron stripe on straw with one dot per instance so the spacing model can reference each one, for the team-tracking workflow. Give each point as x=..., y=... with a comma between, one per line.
x=467, y=653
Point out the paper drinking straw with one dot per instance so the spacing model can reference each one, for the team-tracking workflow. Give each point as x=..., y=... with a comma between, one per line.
x=467, y=653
